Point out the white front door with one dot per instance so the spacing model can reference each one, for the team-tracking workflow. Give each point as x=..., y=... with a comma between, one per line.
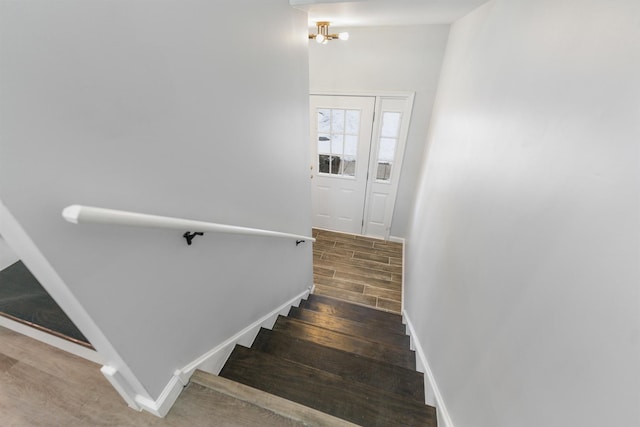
x=341, y=129
x=356, y=160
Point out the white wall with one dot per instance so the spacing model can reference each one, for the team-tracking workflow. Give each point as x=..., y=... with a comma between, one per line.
x=7, y=256
x=172, y=107
x=387, y=59
x=523, y=258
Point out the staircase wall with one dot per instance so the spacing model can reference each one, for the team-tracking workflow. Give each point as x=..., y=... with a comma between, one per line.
x=186, y=108
x=522, y=264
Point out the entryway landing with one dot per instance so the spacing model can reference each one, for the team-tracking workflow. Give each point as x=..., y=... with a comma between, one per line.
x=358, y=269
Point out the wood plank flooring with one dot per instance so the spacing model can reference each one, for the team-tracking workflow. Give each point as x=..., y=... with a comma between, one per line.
x=43, y=386
x=358, y=269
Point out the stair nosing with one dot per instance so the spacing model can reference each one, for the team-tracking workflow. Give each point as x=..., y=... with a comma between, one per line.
x=271, y=402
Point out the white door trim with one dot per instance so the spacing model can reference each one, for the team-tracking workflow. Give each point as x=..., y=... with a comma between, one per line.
x=373, y=93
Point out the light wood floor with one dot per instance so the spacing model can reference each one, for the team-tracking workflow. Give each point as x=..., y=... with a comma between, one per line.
x=43, y=386
x=358, y=269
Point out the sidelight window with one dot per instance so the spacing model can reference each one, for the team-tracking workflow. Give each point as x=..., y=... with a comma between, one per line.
x=389, y=134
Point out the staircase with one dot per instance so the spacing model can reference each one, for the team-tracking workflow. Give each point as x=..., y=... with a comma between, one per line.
x=349, y=361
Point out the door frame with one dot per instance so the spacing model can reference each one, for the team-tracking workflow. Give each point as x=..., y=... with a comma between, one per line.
x=379, y=96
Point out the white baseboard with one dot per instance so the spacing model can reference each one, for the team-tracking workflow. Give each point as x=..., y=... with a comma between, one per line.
x=212, y=362
x=161, y=406
x=431, y=390
x=52, y=340
x=214, y=359
x=390, y=239
x=404, y=272
x=120, y=384
x=395, y=239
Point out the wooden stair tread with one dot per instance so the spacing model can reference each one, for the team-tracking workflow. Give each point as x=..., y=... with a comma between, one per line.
x=324, y=391
x=351, y=327
x=352, y=367
x=358, y=313
x=296, y=412
x=373, y=350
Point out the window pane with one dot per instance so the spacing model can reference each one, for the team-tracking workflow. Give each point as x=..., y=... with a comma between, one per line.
x=338, y=141
x=335, y=165
x=323, y=163
x=324, y=143
x=390, y=124
x=324, y=120
x=337, y=145
x=337, y=121
x=349, y=166
x=384, y=171
x=387, y=149
x=350, y=145
x=353, y=122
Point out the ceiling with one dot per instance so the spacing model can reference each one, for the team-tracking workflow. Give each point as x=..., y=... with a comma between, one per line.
x=385, y=12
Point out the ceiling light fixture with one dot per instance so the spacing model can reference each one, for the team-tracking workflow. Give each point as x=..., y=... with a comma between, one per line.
x=323, y=35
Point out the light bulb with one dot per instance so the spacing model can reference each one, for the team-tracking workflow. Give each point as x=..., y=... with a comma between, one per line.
x=320, y=38
x=343, y=36
x=325, y=41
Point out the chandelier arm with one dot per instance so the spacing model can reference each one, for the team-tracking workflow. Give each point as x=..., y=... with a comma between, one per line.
x=322, y=32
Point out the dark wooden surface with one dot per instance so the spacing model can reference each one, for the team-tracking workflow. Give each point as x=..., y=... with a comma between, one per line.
x=358, y=313
x=402, y=381
x=324, y=391
x=346, y=326
x=363, y=347
x=348, y=361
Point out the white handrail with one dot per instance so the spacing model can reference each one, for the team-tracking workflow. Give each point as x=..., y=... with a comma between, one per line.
x=82, y=214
